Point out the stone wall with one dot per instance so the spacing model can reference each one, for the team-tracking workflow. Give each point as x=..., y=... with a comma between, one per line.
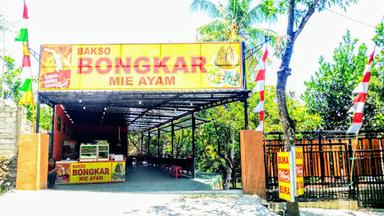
x=13, y=122
x=7, y=173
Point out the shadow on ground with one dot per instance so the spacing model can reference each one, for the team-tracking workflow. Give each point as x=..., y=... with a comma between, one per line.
x=143, y=179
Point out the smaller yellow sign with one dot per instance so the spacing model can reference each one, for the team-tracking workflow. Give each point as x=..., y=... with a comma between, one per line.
x=118, y=171
x=283, y=162
x=90, y=172
x=299, y=171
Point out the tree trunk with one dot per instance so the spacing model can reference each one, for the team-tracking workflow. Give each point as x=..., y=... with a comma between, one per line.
x=282, y=76
x=286, y=121
x=283, y=73
x=229, y=158
x=292, y=208
x=228, y=177
x=231, y=166
x=229, y=169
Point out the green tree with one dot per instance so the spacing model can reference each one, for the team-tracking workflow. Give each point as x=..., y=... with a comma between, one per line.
x=329, y=92
x=304, y=120
x=10, y=89
x=221, y=138
x=233, y=21
x=46, y=118
x=299, y=12
x=9, y=81
x=379, y=36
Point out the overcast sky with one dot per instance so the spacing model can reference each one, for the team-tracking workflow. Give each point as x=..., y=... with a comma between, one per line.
x=153, y=21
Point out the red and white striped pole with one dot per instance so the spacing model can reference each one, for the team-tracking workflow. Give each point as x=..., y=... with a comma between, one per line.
x=259, y=87
x=359, y=101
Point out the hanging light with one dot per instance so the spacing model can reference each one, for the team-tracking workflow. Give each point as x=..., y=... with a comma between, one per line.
x=80, y=101
x=83, y=107
x=140, y=102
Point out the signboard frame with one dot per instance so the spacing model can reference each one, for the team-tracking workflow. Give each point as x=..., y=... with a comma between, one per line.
x=175, y=67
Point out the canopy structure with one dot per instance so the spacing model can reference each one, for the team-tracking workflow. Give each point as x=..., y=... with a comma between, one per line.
x=183, y=123
x=137, y=110
x=150, y=88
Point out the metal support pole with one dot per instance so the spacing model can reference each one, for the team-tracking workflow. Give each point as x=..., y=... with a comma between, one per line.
x=158, y=142
x=51, y=142
x=246, y=124
x=244, y=74
x=149, y=140
x=193, y=144
x=141, y=142
x=322, y=156
x=172, y=135
x=119, y=141
x=243, y=66
x=246, y=114
x=293, y=172
x=37, y=129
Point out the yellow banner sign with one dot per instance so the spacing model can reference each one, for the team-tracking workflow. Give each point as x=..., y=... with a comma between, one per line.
x=286, y=189
x=90, y=172
x=143, y=67
x=284, y=175
x=299, y=171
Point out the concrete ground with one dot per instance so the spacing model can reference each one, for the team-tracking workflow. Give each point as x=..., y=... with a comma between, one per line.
x=57, y=202
x=334, y=212
x=148, y=191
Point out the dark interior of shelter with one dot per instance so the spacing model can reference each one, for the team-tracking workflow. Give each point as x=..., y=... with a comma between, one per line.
x=106, y=118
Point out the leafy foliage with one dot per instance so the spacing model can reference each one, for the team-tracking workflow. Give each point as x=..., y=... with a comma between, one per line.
x=235, y=21
x=9, y=82
x=10, y=90
x=218, y=141
x=304, y=121
x=46, y=118
x=329, y=92
x=379, y=36
x=299, y=12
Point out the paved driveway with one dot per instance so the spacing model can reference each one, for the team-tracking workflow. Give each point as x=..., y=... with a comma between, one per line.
x=147, y=191
x=84, y=203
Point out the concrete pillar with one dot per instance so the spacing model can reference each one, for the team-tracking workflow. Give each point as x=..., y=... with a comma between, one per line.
x=252, y=162
x=32, y=163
